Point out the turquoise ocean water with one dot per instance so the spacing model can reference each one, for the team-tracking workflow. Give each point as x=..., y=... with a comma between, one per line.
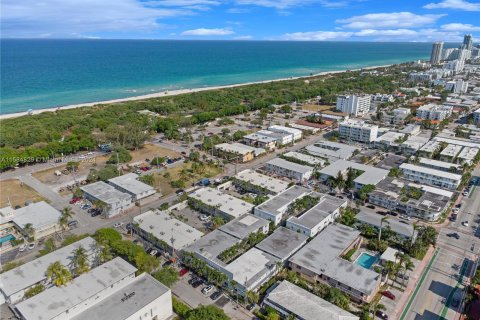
x=38, y=74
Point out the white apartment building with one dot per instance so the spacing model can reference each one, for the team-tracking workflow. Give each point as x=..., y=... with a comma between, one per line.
x=455, y=66
x=476, y=117
x=420, y=76
x=430, y=176
x=378, y=97
x=457, y=86
x=357, y=130
x=282, y=138
x=356, y=105
x=434, y=112
x=289, y=169
x=115, y=202
x=296, y=133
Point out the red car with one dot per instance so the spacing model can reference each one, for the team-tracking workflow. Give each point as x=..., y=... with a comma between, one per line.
x=389, y=295
x=74, y=200
x=183, y=272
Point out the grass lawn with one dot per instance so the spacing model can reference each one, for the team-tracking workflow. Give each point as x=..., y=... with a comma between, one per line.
x=314, y=107
x=163, y=184
x=17, y=192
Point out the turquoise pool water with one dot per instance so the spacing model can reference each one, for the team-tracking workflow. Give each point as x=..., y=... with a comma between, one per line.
x=366, y=260
x=6, y=238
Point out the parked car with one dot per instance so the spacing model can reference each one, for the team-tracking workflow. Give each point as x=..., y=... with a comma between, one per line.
x=183, y=272
x=86, y=206
x=95, y=213
x=197, y=283
x=207, y=289
x=389, y=295
x=153, y=252
x=74, y=200
x=148, y=250
x=381, y=315
x=23, y=247
x=179, y=192
x=118, y=224
x=371, y=206
x=465, y=223
x=453, y=235
x=216, y=295
x=204, y=217
x=72, y=223
x=31, y=246
x=192, y=280
x=251, y=306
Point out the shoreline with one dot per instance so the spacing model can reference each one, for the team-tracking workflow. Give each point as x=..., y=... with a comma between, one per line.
x=175, y=92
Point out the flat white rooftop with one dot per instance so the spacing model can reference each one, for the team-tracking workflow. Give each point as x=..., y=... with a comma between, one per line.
x=116, y=307
x=331, y=150
x=242, y=227
x=224, y=202
x=468, y=153
x=451, y=150
x=40, y=215
x=430, y=146
x=371, y=175
x=460, y=142
x=311, y=160
x=239, y=148
x=260, y=138
x=164, y=227
x=282, y=163
x=130, y=183
x=105, y=192
x=251, y=266
x=33, y=272
x=429, y=171
x=277, y=204
x=304, y=304
x=262, y=180
x=389, y=137
x=56, y=300
x=438, y=164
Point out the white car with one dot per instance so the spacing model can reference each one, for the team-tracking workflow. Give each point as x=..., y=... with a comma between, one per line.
x=23, y=247
x=207, y=289
x=465, y=223
x=465, y=193
x=153, y=252
x=31, y=246
x=204, y=217
x=118, y=225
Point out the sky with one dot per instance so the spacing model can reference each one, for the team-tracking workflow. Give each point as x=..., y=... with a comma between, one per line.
x=294, y=20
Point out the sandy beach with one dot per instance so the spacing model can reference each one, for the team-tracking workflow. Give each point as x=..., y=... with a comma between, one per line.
x=171, y=93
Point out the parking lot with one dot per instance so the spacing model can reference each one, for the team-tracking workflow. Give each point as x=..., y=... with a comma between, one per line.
x=192, y=218
x=194, y=298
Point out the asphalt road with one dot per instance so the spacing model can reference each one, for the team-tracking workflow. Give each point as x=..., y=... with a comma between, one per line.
x=444, y=282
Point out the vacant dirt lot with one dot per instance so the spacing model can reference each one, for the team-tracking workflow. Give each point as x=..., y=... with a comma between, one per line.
x=315, y=107
x=17, y=192
x=149, y=151
x=163, y=179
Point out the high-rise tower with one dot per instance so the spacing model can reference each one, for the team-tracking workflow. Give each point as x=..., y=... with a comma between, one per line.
x=436, y=55
x=467, y=42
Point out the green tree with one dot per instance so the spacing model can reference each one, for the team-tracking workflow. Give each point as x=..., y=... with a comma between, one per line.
x=29, y=231
x=395, y=172
x=218, y=221
x=58, y=274
x=382, y=221
x=365, y=190
x=120, y=155
x=33, y=291
x=107, y=235
x=210, y=312
x=148, y=179
x=338, y=298
x=72, y=166
x=168, y=276
x=80, y=261
x=347, y=216
x=145, y=262
x=49, y=246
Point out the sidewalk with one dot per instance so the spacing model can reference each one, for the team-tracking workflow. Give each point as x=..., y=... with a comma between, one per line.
x=412, y=284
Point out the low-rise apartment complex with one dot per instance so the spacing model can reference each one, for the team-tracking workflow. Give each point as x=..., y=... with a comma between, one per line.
x=358, y=130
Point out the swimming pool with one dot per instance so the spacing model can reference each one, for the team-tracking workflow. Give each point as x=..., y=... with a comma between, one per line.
x=366, y=260
x=7, y=238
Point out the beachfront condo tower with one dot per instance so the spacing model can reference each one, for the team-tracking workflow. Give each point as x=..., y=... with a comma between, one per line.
x=436, y=55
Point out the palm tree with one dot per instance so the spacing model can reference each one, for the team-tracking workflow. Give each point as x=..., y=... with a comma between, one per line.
x=407, y=265
x=378, y=306
x=80, y=261
x=383, y=220
x=67, y=213
x=29, y=230
x=58, y=274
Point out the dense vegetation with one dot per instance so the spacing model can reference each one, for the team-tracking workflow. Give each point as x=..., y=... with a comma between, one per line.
x=35, y=138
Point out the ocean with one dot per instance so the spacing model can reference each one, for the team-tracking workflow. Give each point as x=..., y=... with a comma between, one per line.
x=38, y=74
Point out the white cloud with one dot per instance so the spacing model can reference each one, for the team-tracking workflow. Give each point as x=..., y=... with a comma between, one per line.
x=460, y=27
x=208, y=32
x=317, y=36
x=284, y=4
x=62, y=18
x=408, y=35
x=389, y=20
x=454, y=4
x=247, y=37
